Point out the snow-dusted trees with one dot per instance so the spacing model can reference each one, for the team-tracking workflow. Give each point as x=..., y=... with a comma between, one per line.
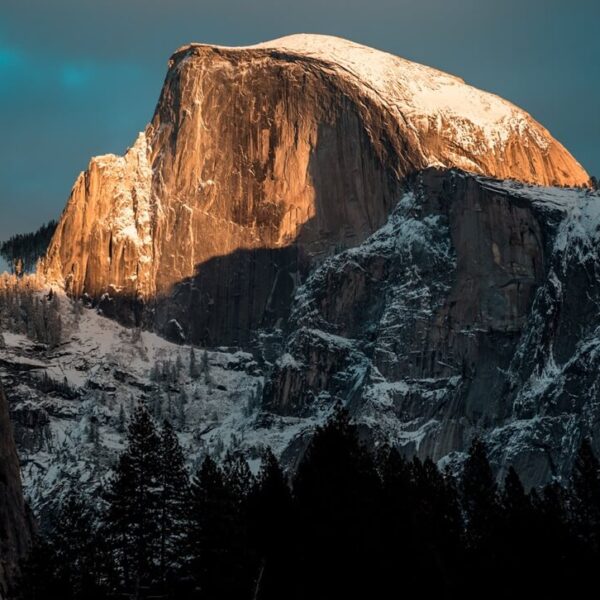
x=24, y=309
x=205, y=368
x=165, y=372
x=194, y=368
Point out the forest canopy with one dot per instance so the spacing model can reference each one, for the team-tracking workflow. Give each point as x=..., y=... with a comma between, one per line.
x=23, y=250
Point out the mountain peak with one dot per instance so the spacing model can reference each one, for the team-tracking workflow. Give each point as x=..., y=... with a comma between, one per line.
x=464, y=123
x=262, y=161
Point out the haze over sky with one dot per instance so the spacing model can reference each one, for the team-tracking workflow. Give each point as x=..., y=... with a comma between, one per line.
x=82, y=77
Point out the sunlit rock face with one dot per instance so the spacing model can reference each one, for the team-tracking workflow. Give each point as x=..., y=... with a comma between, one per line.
x=260, y=162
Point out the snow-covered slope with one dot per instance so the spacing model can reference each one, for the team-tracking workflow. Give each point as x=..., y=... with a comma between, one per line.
x=417, y=91
x=70, y=405
x=472, y=310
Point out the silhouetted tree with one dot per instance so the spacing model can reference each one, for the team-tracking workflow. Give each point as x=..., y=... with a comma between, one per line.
x=209, y=531
x=173, y=505
x=70, y=562
x=479, y=497
x=133, y=496
x=437, y=527
x=194, y=368
x=353, y=527
x=586, y=495
x=336, y=492
x=270, y=528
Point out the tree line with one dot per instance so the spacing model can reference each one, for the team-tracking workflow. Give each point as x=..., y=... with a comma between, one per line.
x=23, y=250
x=350, y=523
x=25, y=309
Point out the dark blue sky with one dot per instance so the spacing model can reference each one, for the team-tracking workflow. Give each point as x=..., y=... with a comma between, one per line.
x=81, y=77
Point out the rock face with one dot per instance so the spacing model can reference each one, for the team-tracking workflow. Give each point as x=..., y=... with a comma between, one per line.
x=375, y=232
x=262, y=161
x=15, y=524
x=471, y=312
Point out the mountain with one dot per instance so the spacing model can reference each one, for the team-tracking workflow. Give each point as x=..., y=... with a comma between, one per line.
x=472, y=312
x=306, y=222
x=260, y=162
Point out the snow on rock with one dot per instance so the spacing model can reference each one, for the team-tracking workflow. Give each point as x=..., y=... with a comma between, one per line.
x=427, y=100
x=378, y=327
x=70, y=431
x=431, y=359
x=262, y=161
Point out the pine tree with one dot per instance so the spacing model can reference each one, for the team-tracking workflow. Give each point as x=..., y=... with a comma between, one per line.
x=156, y=372
x=173, y=503
x=182, y=400
x=121, y=420
x=209, y=531
x=336, y=493
x=194, y=369
x=178, y=365
x=52, y=321
x=479, y=496
x=79, y=564
x=437, y=531
x=514, y=543
x=553, y=547
x=134, y=504
x=238, y=477
x=586, y=495
x=69, y=563
x=239, y=483
x=205, y=368
x=515, y=502
x=479, y=493
x=270, y=520
x=157, y=405
x=37, y=580
x=398, y=507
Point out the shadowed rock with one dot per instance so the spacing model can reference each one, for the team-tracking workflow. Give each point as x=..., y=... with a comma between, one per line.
x=300, y=143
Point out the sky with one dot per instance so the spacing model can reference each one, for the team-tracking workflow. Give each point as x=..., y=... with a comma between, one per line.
x=80, y=78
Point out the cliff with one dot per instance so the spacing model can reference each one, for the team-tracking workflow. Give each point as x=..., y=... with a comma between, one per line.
x=470, y=312
x=262, y=161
